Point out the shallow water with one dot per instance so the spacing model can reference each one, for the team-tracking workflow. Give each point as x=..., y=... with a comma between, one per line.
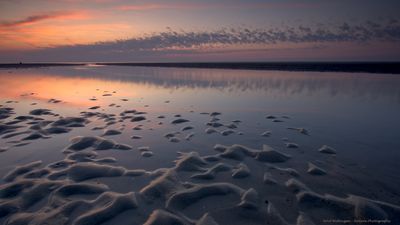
x=356, y=114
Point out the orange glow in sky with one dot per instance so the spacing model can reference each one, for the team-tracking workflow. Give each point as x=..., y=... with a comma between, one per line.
x=231, y=30
x=60, y=28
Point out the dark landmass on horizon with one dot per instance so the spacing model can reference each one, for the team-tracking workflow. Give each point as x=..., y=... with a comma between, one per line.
x=32, y=65
x=352, y=67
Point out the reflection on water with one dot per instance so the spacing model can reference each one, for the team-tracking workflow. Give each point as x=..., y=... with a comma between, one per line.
x=83, y=80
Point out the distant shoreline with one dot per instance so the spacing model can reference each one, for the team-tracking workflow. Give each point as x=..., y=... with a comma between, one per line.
x=352, y=67
x=32, y=65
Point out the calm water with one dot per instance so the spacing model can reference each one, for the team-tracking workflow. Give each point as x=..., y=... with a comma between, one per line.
x=358, y=114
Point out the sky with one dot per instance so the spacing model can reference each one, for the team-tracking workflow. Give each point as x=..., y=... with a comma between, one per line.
x=199, y=31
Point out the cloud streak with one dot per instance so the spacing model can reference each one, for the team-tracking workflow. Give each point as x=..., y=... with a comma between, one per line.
x=170, y=39
x=42, y=17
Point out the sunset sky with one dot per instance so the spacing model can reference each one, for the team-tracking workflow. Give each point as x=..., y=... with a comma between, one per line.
x=194, y=30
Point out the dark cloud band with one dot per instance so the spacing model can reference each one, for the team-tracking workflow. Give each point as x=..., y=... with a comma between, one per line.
x=361, y=33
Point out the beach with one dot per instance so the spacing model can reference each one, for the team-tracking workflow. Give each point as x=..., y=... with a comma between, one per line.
x=109, y=144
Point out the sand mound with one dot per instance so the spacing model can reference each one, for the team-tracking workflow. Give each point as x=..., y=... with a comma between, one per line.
x=190, y=162
x=111, y=132
x=70, y=122
x=180, y=120
x=210, y=131
x=206, y=219
x=215, y=124
x=55, y=101
x=249, y=199
x=6, y=112
x=272, y=156
x=288, y=171
x=303, y=219
x=327, y=150
x=300, y=130
x=292, y=145
x=295, y=185
x=147, y=154
x=212, y=172
x=19, y=170
x=315, y=170
x=237, y=152
x=351, y=207
x=187, y=128
x=110, y=205
x=138, y=118
x=34, y=136
x=160, y=216
x=98, y=143
x=268, y=179
x=81, y=189
x=4, y=129
x=94, y=107
x=39, y=112
x=57, y=130
x=189, y=136
x=227, y=132
x=89, y=170
x=162, y=187
x=241, y=171
x=182, y=199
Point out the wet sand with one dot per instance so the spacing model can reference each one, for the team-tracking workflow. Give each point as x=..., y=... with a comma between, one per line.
x=159, y=158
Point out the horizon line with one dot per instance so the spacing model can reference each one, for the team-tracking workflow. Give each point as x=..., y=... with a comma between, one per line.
x=384, y=67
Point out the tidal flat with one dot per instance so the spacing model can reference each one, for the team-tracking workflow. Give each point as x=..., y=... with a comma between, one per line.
x=91, y=144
